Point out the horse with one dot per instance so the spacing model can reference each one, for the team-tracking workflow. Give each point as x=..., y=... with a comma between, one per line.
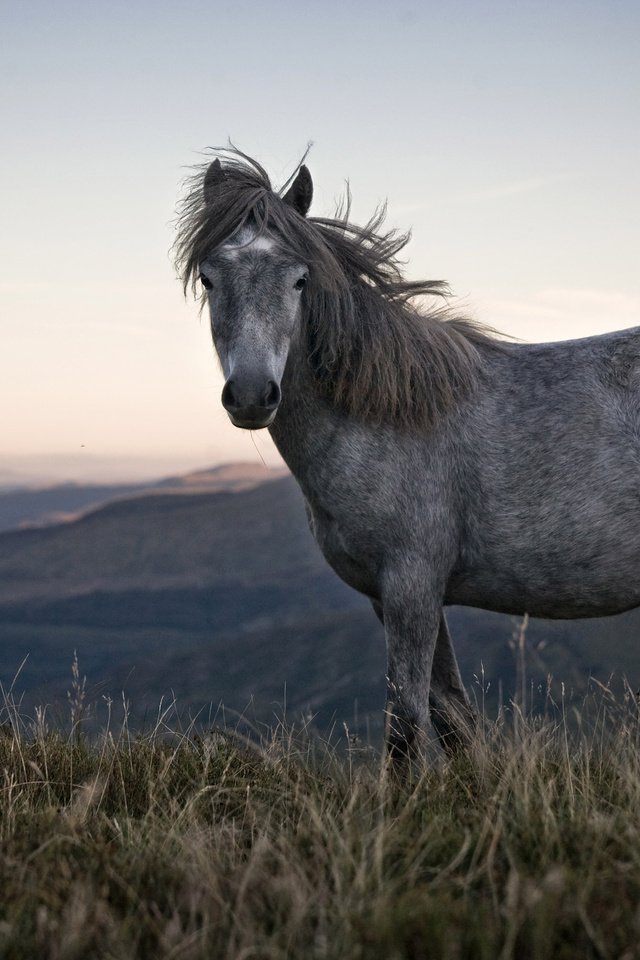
x=440, y=463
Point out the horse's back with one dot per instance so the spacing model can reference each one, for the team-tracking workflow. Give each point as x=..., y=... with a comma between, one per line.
x=553, y=524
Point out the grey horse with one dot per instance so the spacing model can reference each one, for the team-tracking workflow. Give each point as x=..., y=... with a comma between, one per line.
x=440, y=464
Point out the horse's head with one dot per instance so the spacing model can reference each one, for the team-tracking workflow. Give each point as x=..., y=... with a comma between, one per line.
x=254, y=289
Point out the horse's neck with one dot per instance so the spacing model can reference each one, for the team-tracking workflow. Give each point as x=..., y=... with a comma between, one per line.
x=303, y=425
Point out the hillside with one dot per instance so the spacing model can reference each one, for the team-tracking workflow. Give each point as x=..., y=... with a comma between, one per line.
x=44, y=505
x=223, y=598
x=212, y=596
x=159, y=541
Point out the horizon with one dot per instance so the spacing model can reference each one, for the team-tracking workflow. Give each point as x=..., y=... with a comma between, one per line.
x=37, y=472
x=508, y=141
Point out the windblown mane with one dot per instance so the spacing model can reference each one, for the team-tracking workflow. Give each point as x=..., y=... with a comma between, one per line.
x=376, y=353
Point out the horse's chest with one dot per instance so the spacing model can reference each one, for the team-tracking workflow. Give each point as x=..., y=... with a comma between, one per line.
x=345, y=551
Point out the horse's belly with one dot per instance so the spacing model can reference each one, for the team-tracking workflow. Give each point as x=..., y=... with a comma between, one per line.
x=578, y=591
x=570, y=552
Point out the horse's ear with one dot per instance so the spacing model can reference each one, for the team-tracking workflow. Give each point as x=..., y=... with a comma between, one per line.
x=300, y=193
x=213, y=178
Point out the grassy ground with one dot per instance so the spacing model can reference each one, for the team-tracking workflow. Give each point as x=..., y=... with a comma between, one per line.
x=205, y=846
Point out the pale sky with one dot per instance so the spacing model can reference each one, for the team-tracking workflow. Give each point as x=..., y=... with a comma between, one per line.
x=506, y=134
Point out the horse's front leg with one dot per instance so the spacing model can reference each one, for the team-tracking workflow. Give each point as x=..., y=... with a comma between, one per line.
x=411, y=622
x=451, y=714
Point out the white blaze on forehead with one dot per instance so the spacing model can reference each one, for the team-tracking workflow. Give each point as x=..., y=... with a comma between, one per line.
x=245, y=240
x=261, y=243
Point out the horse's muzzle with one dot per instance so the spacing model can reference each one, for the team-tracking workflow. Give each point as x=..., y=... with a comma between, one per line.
x=251, y=406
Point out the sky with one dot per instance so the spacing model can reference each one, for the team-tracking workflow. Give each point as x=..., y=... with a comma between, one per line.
x=506, y=135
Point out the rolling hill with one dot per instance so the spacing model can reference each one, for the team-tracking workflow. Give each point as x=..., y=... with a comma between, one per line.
x=44, y=505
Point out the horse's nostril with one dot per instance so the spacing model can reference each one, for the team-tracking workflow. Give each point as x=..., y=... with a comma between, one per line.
x=272, y=395
x=228, y=396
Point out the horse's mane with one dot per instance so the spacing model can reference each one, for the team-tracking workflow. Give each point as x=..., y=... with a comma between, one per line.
x=375, y=352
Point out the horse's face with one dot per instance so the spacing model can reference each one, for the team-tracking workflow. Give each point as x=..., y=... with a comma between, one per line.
x=254, y=291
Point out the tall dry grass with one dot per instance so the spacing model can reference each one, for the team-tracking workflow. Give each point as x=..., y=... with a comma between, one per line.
x=186, y=844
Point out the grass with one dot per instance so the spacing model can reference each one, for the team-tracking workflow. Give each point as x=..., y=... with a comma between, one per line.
x=203, y=845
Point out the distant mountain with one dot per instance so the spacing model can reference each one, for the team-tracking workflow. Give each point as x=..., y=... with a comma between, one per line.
x=24, y=506
x=221, y=596
x=44, y=505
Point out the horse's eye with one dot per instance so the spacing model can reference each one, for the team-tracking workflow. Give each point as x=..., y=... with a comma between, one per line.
x=206, y=283
x=299, y=284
